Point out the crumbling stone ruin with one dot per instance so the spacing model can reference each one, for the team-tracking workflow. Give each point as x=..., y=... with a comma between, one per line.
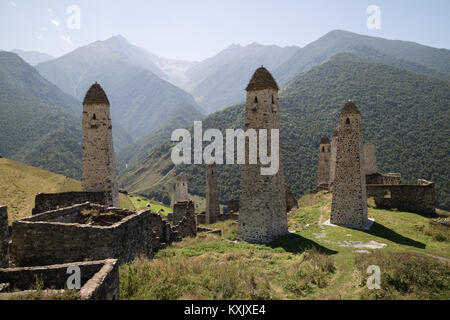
x=99, y=170
x=323, y=171
x=212, y=211
x=4, y=238
x=349, y=204
x=384, y=178
x=420, y=198
x=99, y=280
x=333, y=160
x=233, y=206
x=263, y=215
x=291, y=202
x=51, y=201
x=93, y=232
x=181, y=188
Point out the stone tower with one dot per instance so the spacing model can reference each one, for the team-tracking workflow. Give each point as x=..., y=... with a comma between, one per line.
x=349, y=204
x=370, y=159
x=181, y=188
x=212, y=195
x=263, y=215
x=323, y=172
x=333, y=159
x=99, y=170
x=4, y=239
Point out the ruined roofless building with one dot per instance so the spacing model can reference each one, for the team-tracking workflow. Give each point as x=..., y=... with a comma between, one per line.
x=99, y=170
x=181, y=188
x=212, y=195
x=263, y=215
x=349, y=204
x=323, y=172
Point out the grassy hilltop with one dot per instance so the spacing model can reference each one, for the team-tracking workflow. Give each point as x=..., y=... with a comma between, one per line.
x=313, y=262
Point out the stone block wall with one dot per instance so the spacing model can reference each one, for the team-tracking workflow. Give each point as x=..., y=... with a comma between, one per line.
x=99, y=279
x=370, y=159
x=57, y=236
x=4, y=237
x=420, y=198
x=291, y=202
x=51, y=201
x=233, y=206
x=387, y=178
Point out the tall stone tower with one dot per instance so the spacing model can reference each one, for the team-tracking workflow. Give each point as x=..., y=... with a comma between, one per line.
x=323, y=172
x=181, y=188
x=212, y=195
x=99, y=170
x=263, y=216
x=333, y=160
x=349, y=204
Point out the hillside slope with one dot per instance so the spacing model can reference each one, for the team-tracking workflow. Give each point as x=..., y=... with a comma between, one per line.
x=21, y=183
x=405, y=114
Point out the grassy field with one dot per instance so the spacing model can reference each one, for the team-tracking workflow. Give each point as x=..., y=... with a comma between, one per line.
x=312, y=262
x=140, y=203
x=21, y=183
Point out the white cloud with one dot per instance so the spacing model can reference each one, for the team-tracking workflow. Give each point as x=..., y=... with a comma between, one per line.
x=65, y=38
x=12, y=4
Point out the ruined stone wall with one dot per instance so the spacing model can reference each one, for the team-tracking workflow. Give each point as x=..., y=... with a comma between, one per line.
x=420, y=198
x=99, y=279
x=4, y=238
x=323, y=171
x=291, y=202
x=212, y=194
x=99, y=170
x=263, y=215
x=181, y=188
x=233, y=205
x=47, y=202
x=349, y=204
x=58, y=237
x=370, y=159
x=388, y=178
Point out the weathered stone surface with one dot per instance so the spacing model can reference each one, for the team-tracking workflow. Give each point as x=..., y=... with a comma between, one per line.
x=323, y=171
x=263, y=215
x=420, y=198
x=370, y=159
x=291, y=202
x=99, y=169
x=181, y=188
x=99, y=279
x=59, y=237
x=386, y=178
x=233, y=206
x=212, y=194
x=333, y=159
x=349, y=204
x=51, y=201
x=4, y=238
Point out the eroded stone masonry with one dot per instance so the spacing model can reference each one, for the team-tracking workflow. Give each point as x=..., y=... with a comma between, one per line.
x=181, y=188
x=4, y=238
x=349, y=204
x=99, y=170
x=212, y=210
x=263, y=215
x=323, y=171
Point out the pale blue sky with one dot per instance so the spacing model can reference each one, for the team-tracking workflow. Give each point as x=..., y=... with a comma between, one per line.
x=198, y=29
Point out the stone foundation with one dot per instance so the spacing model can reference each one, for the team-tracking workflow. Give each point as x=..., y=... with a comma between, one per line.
x=420, y=198
x=4, y=238
x=67, y=235
x=51, y=201
x=99, y=280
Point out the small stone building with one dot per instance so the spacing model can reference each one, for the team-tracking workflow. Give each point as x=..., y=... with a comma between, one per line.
x=99, y=169
x=212, y=210
x=263, y=215
x=349, y=204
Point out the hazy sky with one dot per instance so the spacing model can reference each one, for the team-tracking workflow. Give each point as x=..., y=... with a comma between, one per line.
x=197, y=29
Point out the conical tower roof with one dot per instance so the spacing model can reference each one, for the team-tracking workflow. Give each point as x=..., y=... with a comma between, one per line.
x=96, y=95
x=350, y=108
x=324, y=140
x=262, y=79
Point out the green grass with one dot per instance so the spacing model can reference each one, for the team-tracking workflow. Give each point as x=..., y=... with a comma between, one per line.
x=140, y=203
x=311, y=263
